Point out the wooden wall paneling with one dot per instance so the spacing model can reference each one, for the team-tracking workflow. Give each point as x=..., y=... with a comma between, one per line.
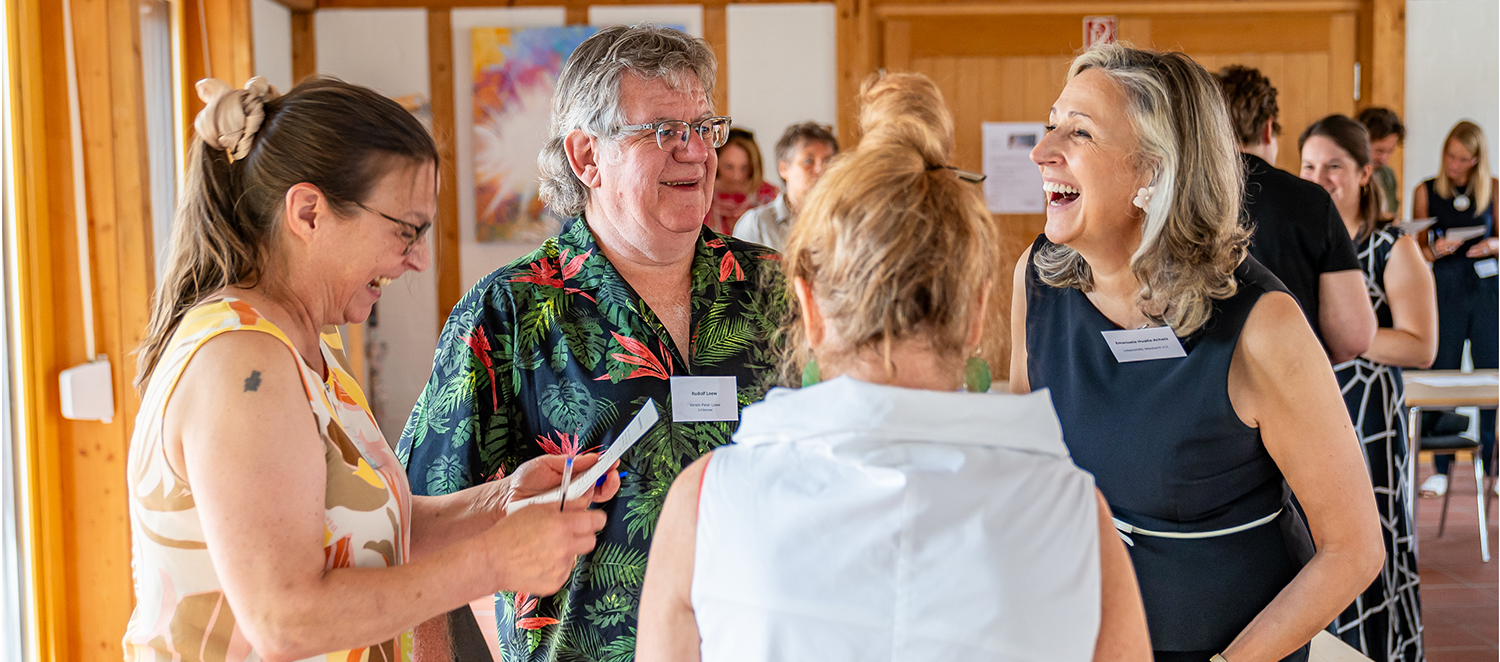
x=575, y=14
x=1341, y=57
x=223, y=33
x=304, y=45
x=968, y=116
x=76, y=508
x=446, y=238
x=107, y=36
x=1384, y=71
x=35, y=45
x=716, y=33
x=897, y=48
x=851, y=67
x=1135, y=30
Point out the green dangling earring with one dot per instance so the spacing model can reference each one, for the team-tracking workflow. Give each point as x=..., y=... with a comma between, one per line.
x=976, y=375
x=810, y=374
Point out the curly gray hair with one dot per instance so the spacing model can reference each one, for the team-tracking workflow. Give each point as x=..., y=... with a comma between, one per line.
x=588, y=95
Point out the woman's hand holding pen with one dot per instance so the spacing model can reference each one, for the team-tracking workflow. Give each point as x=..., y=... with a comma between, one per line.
x=535, y=547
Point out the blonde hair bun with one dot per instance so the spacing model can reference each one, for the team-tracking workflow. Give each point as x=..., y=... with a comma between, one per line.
x=895, y=246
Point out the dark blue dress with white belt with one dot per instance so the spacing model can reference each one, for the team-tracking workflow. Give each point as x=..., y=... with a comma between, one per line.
x=1205, y=509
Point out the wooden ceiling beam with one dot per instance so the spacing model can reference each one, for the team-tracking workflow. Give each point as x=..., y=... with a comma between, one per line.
x=299, y=5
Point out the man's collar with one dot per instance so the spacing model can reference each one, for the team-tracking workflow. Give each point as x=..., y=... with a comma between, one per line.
x=711, y=254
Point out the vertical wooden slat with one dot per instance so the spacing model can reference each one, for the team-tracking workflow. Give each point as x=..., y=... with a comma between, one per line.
x=854, y=27
x=77, y=513
x=35, y=49
x=897, y=45
x=576, y=14
x=446, y=236
x=226, y=26
x=1385, y=72
x=304, y=45
x=1135, y=30
x=968, y=117
x=716, y=33
x=1341, y=37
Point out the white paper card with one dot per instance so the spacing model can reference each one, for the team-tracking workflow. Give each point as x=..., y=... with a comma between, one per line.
x=632, y=433
x=1013, y=184
x=1446, y=381
x=1157, y=342
x=1464, y=233
x=1486, y=268
x=696, y=399
x=1413, y=226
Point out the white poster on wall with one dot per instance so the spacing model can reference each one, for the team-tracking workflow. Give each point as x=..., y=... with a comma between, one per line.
x=1013, y=184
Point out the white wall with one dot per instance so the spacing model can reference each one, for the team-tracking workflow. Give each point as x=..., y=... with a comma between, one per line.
x=271, y=30
x=1452, y=73
x=783, y=69
x=386, y=50
x=689, y=18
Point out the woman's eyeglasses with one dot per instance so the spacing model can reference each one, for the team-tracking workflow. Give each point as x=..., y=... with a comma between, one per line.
x=672, y=134
x=417, y=231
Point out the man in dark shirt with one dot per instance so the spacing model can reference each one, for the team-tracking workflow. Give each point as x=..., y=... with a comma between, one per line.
x=1297, y=231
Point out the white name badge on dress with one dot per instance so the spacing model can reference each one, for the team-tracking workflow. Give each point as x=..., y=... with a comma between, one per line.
x=704, y=399
x=1157, y=342
x=1486, y=268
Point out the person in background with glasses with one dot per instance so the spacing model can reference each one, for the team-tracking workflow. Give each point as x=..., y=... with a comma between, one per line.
x=803, y=153
x=269, y=517
x=740, y=184
x=634, y=302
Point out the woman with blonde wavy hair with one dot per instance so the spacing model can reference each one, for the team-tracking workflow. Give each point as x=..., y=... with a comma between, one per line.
x=1187, y=380
x=876, y=513
x=1463, y=197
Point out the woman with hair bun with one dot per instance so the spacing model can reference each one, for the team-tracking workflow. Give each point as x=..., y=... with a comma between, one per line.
x=270, y=519
x=1187, y=380
x=877, y=513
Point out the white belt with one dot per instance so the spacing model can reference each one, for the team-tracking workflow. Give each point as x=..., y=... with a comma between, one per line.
x=1124, y=528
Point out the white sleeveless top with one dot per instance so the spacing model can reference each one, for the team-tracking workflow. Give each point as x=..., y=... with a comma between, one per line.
x=853, y=521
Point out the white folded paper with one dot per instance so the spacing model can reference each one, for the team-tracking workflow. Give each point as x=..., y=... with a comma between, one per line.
x=581, y=483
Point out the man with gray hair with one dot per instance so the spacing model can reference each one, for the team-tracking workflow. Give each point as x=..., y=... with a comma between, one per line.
x=635, y=301
x=802, y=154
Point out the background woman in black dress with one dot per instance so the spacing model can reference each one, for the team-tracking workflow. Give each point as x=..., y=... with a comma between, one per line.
x=1385, y=622
x=1463, y=195
x=1144, y=190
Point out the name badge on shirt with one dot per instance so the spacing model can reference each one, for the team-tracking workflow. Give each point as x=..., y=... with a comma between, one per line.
x=1157, y=342
x=697, y=399
x=1486, y=268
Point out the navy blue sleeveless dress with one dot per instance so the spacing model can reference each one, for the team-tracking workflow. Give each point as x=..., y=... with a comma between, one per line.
x=1468, y=305
x=1170, y=455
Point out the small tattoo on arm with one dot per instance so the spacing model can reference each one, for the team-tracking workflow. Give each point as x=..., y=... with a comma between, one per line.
x=252, y=383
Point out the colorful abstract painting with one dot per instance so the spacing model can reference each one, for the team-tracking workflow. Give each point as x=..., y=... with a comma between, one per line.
x=515, y=71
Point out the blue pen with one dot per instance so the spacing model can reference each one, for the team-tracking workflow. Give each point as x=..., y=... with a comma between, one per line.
x=562, y=499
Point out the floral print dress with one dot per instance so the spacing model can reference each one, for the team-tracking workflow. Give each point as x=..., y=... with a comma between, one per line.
x=181, y=611
x=555, y=353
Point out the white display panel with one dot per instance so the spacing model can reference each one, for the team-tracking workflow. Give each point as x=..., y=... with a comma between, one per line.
x=783, y=69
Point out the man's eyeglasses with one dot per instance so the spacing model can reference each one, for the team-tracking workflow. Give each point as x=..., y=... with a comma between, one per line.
x=672, y=134
x=417, y=231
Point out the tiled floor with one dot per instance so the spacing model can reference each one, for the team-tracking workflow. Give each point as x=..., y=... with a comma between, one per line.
x=1460, y=601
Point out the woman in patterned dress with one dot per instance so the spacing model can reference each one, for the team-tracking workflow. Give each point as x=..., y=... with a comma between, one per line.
x=270, y=518
x=1385, y=622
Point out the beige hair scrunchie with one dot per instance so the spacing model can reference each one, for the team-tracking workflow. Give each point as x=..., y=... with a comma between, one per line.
x=231, y=117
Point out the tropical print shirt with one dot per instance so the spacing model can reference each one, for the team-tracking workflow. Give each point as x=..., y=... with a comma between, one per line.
x=555, y=353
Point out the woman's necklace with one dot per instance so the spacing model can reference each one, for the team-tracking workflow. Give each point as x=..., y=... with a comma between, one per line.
x=1461, y=201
